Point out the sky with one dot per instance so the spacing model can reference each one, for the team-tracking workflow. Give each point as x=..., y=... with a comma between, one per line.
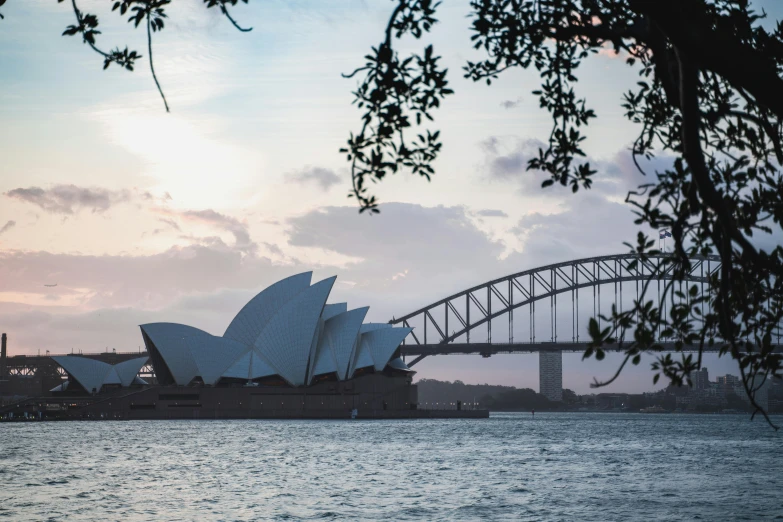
x=139, y=216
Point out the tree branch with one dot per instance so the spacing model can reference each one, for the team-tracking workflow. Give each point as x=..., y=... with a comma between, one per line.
x=224, y=9
x=152, y=67
x=741, y=65
x=692, y=151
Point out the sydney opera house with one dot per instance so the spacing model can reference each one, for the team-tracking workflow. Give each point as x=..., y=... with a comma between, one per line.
x=286, y=354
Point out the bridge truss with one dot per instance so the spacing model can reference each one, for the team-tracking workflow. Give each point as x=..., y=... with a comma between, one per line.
x=515, y=303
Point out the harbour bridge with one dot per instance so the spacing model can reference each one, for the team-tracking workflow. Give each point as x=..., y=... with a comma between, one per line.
x=534, y=311
x=539, y=310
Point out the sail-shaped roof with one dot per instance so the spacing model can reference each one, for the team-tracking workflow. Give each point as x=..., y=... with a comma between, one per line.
x=369, y=327
x=250, y=365
x=337, y=342
x=93, y=375
x=254, y=316
x=382, y=343
x=240, y=368
x=87, y=372
x=112, y=377
x=286, y=340
x=128, y=370
x=171, y=342
x=286, y=330
x=361, y=359
x=259, y=366
x=213, y=355
x=398, y=364
x=332, y=309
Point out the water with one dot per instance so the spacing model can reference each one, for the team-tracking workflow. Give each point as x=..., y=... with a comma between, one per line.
x=576, y=466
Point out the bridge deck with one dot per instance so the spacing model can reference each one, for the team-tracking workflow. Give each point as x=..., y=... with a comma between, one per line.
x=487, y=349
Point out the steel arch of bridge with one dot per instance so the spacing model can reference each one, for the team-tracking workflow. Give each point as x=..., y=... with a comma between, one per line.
x=473, y=308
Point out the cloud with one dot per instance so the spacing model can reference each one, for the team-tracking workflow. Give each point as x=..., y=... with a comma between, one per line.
x=143, y=281
x=506, y=160
x=402, y=232
x=9, y=225
x=68, y=199
x=273, y=249
x=323, y=178
x=148, y=196
x=214, y=219
x=490, y=212
x=511, y=104
x=170, y=222
x=405, y=257
x=439, y=249
x=588, y=225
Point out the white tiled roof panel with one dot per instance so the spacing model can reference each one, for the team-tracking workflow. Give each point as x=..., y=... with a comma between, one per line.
x=256, y=314
x=87, y=372
x=288, y=336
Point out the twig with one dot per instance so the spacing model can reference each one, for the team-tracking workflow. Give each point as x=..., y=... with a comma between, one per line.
x=225, y=12
x=152, y=67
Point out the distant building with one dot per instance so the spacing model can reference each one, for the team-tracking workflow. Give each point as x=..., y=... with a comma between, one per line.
x=550, y=375
x=728, y=381
x=700, y=379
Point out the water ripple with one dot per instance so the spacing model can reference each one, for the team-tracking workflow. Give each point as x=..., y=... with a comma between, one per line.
x=509, y=467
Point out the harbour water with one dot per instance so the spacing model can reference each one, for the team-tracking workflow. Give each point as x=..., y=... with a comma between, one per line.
x=512, y=466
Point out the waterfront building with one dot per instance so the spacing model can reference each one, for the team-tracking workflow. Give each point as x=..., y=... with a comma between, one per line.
x=550, y=375
x=286, y=354
x=700, y=379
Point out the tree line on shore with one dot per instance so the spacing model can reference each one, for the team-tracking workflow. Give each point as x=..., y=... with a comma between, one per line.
x=494, y=397
x=433, y=392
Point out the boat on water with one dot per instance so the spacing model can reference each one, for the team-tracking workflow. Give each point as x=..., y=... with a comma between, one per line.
x=653, y=409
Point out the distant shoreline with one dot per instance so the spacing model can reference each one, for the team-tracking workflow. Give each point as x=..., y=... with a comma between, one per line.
x=629, y=411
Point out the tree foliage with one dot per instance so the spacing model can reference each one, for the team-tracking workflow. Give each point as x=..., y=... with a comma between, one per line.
x=708, y=95
x=149, y=14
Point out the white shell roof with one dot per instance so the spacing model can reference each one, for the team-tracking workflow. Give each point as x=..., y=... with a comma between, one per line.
x=88, y=372
x=240, y=369
x=399, y=364
x=256, y=314
x=382, y=343
x=362, y=358
x=189, y=352
x=285, y=341
x=319, y=328
x=112, y=377
x=213, y=355
x=337, y=342
x=128, y=370
x=369, y=327
x=93, y=374
x=259, y=366
x=172, y=342
x=250, y=365
x=330, y=310
x=286, y=330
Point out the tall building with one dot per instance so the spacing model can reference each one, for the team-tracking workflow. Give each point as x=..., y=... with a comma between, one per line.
x=700, y=379
x=550, y=375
